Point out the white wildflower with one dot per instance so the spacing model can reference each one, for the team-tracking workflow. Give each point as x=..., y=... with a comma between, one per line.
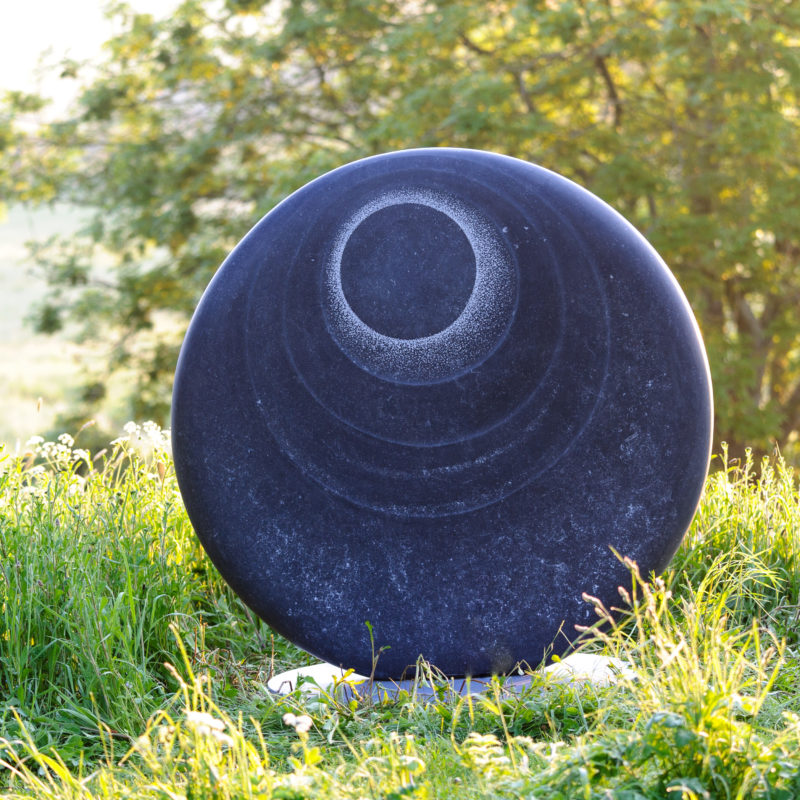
x=207, y=725
x=146, y=439
x=301, y=724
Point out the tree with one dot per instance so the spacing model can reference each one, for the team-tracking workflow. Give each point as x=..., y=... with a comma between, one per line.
x=680, y=113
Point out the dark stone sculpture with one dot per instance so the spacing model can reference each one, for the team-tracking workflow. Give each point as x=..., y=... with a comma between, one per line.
x=431, y=391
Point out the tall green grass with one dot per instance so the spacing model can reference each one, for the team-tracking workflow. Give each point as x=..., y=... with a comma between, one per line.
x=127, y=668
x=97, y=561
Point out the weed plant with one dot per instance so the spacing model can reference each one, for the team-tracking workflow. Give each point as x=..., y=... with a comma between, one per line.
x=128, y=669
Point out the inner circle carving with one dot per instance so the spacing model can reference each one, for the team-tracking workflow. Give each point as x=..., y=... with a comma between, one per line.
x=445, y=353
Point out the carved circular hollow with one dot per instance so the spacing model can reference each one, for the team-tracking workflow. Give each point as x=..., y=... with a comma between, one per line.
x=407, y=271
x=434, y=391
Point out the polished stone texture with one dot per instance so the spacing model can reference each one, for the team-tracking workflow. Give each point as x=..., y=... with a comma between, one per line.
x=431, y=391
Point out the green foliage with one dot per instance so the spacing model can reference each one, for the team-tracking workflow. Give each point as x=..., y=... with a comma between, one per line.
x=681, y=114
x=128, y=669
x=97, y=561
x=745, y=529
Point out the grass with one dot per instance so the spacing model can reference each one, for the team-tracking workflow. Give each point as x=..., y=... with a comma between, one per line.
x=129, y=669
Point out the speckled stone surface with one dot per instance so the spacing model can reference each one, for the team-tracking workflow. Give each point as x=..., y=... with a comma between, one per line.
x=431, y=391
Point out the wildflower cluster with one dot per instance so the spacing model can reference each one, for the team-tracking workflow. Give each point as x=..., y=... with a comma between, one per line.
x=302, y=723
x=147, y=439
x=59, y=455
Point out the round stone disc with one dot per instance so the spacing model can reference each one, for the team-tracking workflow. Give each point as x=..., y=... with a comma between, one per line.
x=428, y=395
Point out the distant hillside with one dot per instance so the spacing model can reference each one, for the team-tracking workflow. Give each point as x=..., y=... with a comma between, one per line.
x=31, y=366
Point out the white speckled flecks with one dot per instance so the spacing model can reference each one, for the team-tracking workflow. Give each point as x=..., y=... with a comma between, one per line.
x=466, y=339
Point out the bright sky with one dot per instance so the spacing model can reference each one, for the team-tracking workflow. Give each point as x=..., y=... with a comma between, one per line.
x=60, y=28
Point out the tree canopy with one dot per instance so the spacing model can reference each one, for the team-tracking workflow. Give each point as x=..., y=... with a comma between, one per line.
x=682, y=114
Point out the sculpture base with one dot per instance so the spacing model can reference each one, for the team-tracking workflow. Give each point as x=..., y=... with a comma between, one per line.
x=326, y=679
